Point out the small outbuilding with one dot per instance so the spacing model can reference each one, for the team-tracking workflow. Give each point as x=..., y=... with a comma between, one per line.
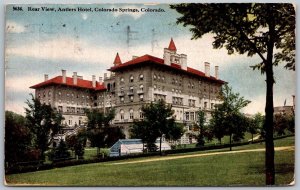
x=132, y=146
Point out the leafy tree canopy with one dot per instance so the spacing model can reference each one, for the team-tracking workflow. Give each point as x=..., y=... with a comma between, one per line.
x=243, y=28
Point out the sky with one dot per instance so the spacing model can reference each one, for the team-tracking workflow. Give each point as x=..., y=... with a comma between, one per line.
x=40, y=42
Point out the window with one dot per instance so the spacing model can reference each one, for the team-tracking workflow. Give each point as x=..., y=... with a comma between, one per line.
x=158, y=77
x=173, y=81
x=141, y=97
x=154, y=86
x=154, y=77
x=49, y=93
x=141, y=77
x=212, y=105
x=121, y=80
x=59, y=93
x=131, y=89
x=205, y=105
x=122, y=99
x=44, y=94
x=131, y=78
x=131, y=114
x=192, y=116
x=192, y=85
x=122, y=114
x=187, y=116
x=141, y=114
x=59, y=101
x=163, y=78
x=60, y=109
x=131, y=98
x=141, y=87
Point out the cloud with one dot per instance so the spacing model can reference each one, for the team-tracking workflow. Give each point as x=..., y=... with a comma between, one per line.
x=13, y=27
x=21, y=84
x=128, y=10
x=64, y=48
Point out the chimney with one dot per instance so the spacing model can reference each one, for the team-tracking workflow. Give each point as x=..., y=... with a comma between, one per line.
x=167, y=56
x=94, y=81
x=294, y=103
x=207, y=69
x=134, y=57
x=100, y=79
x=105, y=76
x=183, y=61
x=64, y=77
x=46, y=77
x=217, y=72
x=75, y=78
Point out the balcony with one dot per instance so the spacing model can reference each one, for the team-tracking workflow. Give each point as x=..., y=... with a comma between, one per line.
x=121, y=94
x=130, y=93
x=140, y=91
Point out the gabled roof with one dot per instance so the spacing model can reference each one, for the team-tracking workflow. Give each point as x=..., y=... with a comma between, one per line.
x=158, y=61
x=87, y=84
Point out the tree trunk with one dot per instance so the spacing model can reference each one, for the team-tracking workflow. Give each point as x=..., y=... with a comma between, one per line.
x=160, y=145
x=269, y=160
x=230, y=142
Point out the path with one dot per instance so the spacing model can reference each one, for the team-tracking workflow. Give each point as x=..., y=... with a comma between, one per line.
x=283, y=148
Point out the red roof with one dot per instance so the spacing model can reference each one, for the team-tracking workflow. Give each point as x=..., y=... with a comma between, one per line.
x=172, y=45
x=159, y=61
x=69, y=82
x=117, y=60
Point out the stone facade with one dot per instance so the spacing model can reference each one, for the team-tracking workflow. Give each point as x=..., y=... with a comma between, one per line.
x=132, y=84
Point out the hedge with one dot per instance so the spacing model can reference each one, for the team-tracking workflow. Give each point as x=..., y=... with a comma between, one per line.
x=22, y=168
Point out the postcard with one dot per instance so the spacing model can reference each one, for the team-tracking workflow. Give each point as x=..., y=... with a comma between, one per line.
x=150, y=94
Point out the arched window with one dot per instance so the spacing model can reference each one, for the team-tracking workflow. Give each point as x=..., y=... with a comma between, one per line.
x=131, y=78
x=122, y=114
x=154, y=77
x=141, y=77
x=141, y=87
x=131, y=113
x=141, y=114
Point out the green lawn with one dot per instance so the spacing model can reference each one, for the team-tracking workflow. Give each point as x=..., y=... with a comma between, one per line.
x=213, y=170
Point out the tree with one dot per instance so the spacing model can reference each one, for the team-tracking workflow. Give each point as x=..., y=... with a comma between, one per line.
x=266, y=30
x=158, y=121
x=226, y=117
x=282, y=123
x=99, y=127
x=61, y=151
x=204, y=130
x=76, y=142
x=175, y=132
x=142, y=130
x=17, y=138
x=44, y=122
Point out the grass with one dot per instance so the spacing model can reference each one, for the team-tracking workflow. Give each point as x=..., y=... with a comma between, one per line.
x=213, y=170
